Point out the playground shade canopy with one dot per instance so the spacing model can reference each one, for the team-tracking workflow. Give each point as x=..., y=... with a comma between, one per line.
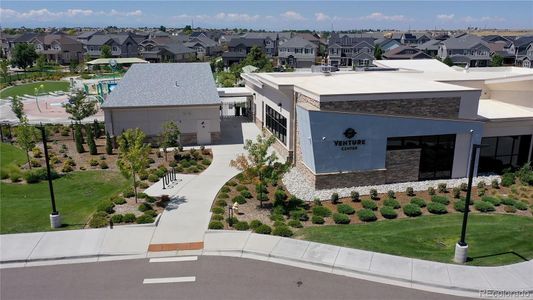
x=122, y=60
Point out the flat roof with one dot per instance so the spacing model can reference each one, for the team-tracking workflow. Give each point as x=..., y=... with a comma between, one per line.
x=166, y=84
x=120, y=60
x=493, y=109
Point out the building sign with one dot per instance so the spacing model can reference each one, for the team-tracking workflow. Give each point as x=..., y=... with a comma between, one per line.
x=349, y=144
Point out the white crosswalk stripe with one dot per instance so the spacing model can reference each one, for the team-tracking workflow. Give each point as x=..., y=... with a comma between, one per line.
x=169, y=280
x=173, y=259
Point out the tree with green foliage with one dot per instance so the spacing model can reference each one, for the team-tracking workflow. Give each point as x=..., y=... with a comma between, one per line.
x=170, y=136
x=26, y=137
x=24, y=55
x=78, y=138
x=17, y=107
x=96, y=129
x=378, y=52
x=448, y=61
x=90, y=140
x=162, y=28
x=79, y=107
x=73, y=66
x=257, y=58
x=133, y=155
x=4, y=68
x=496, y=61
x=187, y=30
x=226, y=79
x=258, y=156
x=40, y=63
x=105, y=52
x=108, y=144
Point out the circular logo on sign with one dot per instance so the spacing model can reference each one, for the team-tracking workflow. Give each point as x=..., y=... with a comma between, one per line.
x=349, y=133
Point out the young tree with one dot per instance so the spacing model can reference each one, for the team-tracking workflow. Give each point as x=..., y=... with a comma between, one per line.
x=226, y=79
x=96, y=128
x=170, y=137
x=378, y=52
x=105, y=52
x=17, y=107
x=496, y=61
x=448, y=61
x=26, y=137
x=108, y=144
x=4, y=68
x=90, y=140
x=78, y=137
x=80, y=107
x=257, y=158
x=24, y=55
x=257, y=58
x=133, y=155
x=40, y=62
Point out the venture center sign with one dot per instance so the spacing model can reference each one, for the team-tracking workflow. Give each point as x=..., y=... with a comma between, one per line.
x=349, y=144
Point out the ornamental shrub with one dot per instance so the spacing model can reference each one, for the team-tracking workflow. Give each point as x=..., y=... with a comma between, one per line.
x=90, y=141
x=520, y=205
x=345, y=209
x=442, y=187
x=388, y=212
x=232, y=183
x=463, y=186
x=508, y=179
x=261, y=188
x=217, y=210
x=508, y=201
x=321, y=211
x=153, y=178
x=483, y=206
x=317, y=201
x=284, y=231
x=128, y=193
x=103, y=165
x=117, y=218
x=98, y=222
x=418, y=202
x=459, y=205
x=369, y=204
x=279, y=223
x=239, y=199
x=217, y=217
x=437, y=208
x=106, y=206
x=391, y=194
x=481, y=192
x=374, y=194
x=334, y=198
x=31, y=177
x=241, y=225
x=263, y=229
x=108, y=144
x=431, y=190
x=215, y=225
x=277, y=217
x=339, y=218
x=118, y=200
x=246, y=194
x=355, y=196
x=144, y=207
x=456, y=192
x=241, y=188
x=295, y=224
x=221, y=203
x=223, y=196
x=509, y=209
x=392, y=203
x=279, y=198
x=366, y=215
x=206, y=162
x=129, y=218
x=299, y=214
x=93, y=162
x=410, y=191
x=481, y=184
x=412, y=210
x=225, y=189
x=440, y=199
x=492, y=200
x=317, y=220
x=495, y=184
x=232, y=221
x=255, y=223
x=294, y=202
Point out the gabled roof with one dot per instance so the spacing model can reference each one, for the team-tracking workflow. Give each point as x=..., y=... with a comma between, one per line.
x=176, y=48
x=464, y=42
x=405, y=52
x=98, y=40
x=298, y=42
x=25, y=37
x=86, y=34
x=203, y=40
x=246, y=42
x=166, y=84
x=429, y=45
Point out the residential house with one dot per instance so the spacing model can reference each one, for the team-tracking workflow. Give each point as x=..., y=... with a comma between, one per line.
x=524, y=48
x=298, y=53
x=238, y=48
x=122, y=45
x=84, y=36
x=165, y=49
x=58, y=48
x=468, y=50
x=410, y=38
x=349, y=50
x=203, y=46
x=405, y=52
x=6, y=44
x=315, y=39
x=386, y=44
x=272, y=40
x=430, y=47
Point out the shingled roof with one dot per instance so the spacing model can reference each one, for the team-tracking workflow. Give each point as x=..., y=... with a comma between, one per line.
x=165, y=84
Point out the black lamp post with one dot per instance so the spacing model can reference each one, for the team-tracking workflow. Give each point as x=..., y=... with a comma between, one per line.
x=55, y=218
x=461, y=248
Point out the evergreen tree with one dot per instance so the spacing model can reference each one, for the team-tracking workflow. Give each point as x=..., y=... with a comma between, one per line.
x=448, y=61
x=90, y=140
x=96, y=128
x=378, y=52
x=108, y=144
x=17, y=107
x=24, y=55
x=78, y=137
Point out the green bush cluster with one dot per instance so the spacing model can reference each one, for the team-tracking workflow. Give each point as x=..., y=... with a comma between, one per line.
x=317, y=220
x=412, y=210
x=345, y=209
x=459, y=205
x=493, y=200
x=335, y=198
x=144, y=207
x=217, y=217
x=263, y=229
x=217, y=210
x=418, y=202
x=355, y=196
x=374, y=194
x=483, y=206
x=321, y=211
x=392, y=203
x=241, y=225
x=366, y=215
x=388, y=212
x=239, y=199
x=339, y=218
x=283, y=231
x=368, y=204
x=440, y=199
x=106, y=206
x=215, y=225
x=295, y=224
x=520, y=205
x=437, y=208
x=255, y=223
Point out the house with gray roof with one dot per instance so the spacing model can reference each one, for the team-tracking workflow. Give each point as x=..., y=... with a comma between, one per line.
x=122, y=45
x=430, y=47
x=298, y=53
x=151, y=94
x=350, y=50
x=238, y=48
x=58, y=48
x=411, y=38
x=203, y=46
x=466, y=50
x=165, y=49
x=386, y=44
x=405, y=52
x=524, y=51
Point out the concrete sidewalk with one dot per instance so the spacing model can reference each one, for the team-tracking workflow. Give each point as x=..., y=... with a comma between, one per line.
x=389, y=269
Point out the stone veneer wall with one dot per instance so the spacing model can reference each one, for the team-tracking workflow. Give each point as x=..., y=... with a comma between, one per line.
x=402, y=165
x=188, y=138
x=444, y=107
x=304, y=99
x=215, y=137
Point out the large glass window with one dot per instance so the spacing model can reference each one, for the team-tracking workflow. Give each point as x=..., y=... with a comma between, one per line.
x=276, y=123
x=436, y=155
x=502, y=152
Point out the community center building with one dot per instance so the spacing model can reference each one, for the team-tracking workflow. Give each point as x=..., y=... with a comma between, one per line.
x=403, y=121
x=151, y=94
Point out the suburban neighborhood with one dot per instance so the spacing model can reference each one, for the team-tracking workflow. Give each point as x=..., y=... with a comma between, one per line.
x=277, y=153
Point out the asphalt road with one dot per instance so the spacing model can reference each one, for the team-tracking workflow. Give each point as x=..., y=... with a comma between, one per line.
x=216, y=278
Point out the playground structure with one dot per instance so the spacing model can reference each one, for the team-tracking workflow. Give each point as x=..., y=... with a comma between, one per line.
x=99, y=88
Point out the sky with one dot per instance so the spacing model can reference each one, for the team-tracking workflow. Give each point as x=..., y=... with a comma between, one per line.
x=271, y=15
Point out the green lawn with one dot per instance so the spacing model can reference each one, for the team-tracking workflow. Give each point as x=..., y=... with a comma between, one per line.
x=26, y=207
x=29, y=89
x=493, y=239
x=11, y=154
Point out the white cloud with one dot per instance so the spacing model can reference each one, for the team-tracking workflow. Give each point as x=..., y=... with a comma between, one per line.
x=320, y=17
x=46, y=15
x=444, y=17
x=292, y=16
x=377, y=16
x=469, y=19
x=234, y=17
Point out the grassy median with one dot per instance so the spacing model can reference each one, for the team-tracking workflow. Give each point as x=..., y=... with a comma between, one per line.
x=493, y=239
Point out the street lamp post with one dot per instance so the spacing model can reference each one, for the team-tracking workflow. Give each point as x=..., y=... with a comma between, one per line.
x=55, y=218
x=461, y=248
x=37, y=90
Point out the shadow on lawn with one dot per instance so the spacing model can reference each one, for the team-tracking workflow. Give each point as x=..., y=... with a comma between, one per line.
x=497, y=254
